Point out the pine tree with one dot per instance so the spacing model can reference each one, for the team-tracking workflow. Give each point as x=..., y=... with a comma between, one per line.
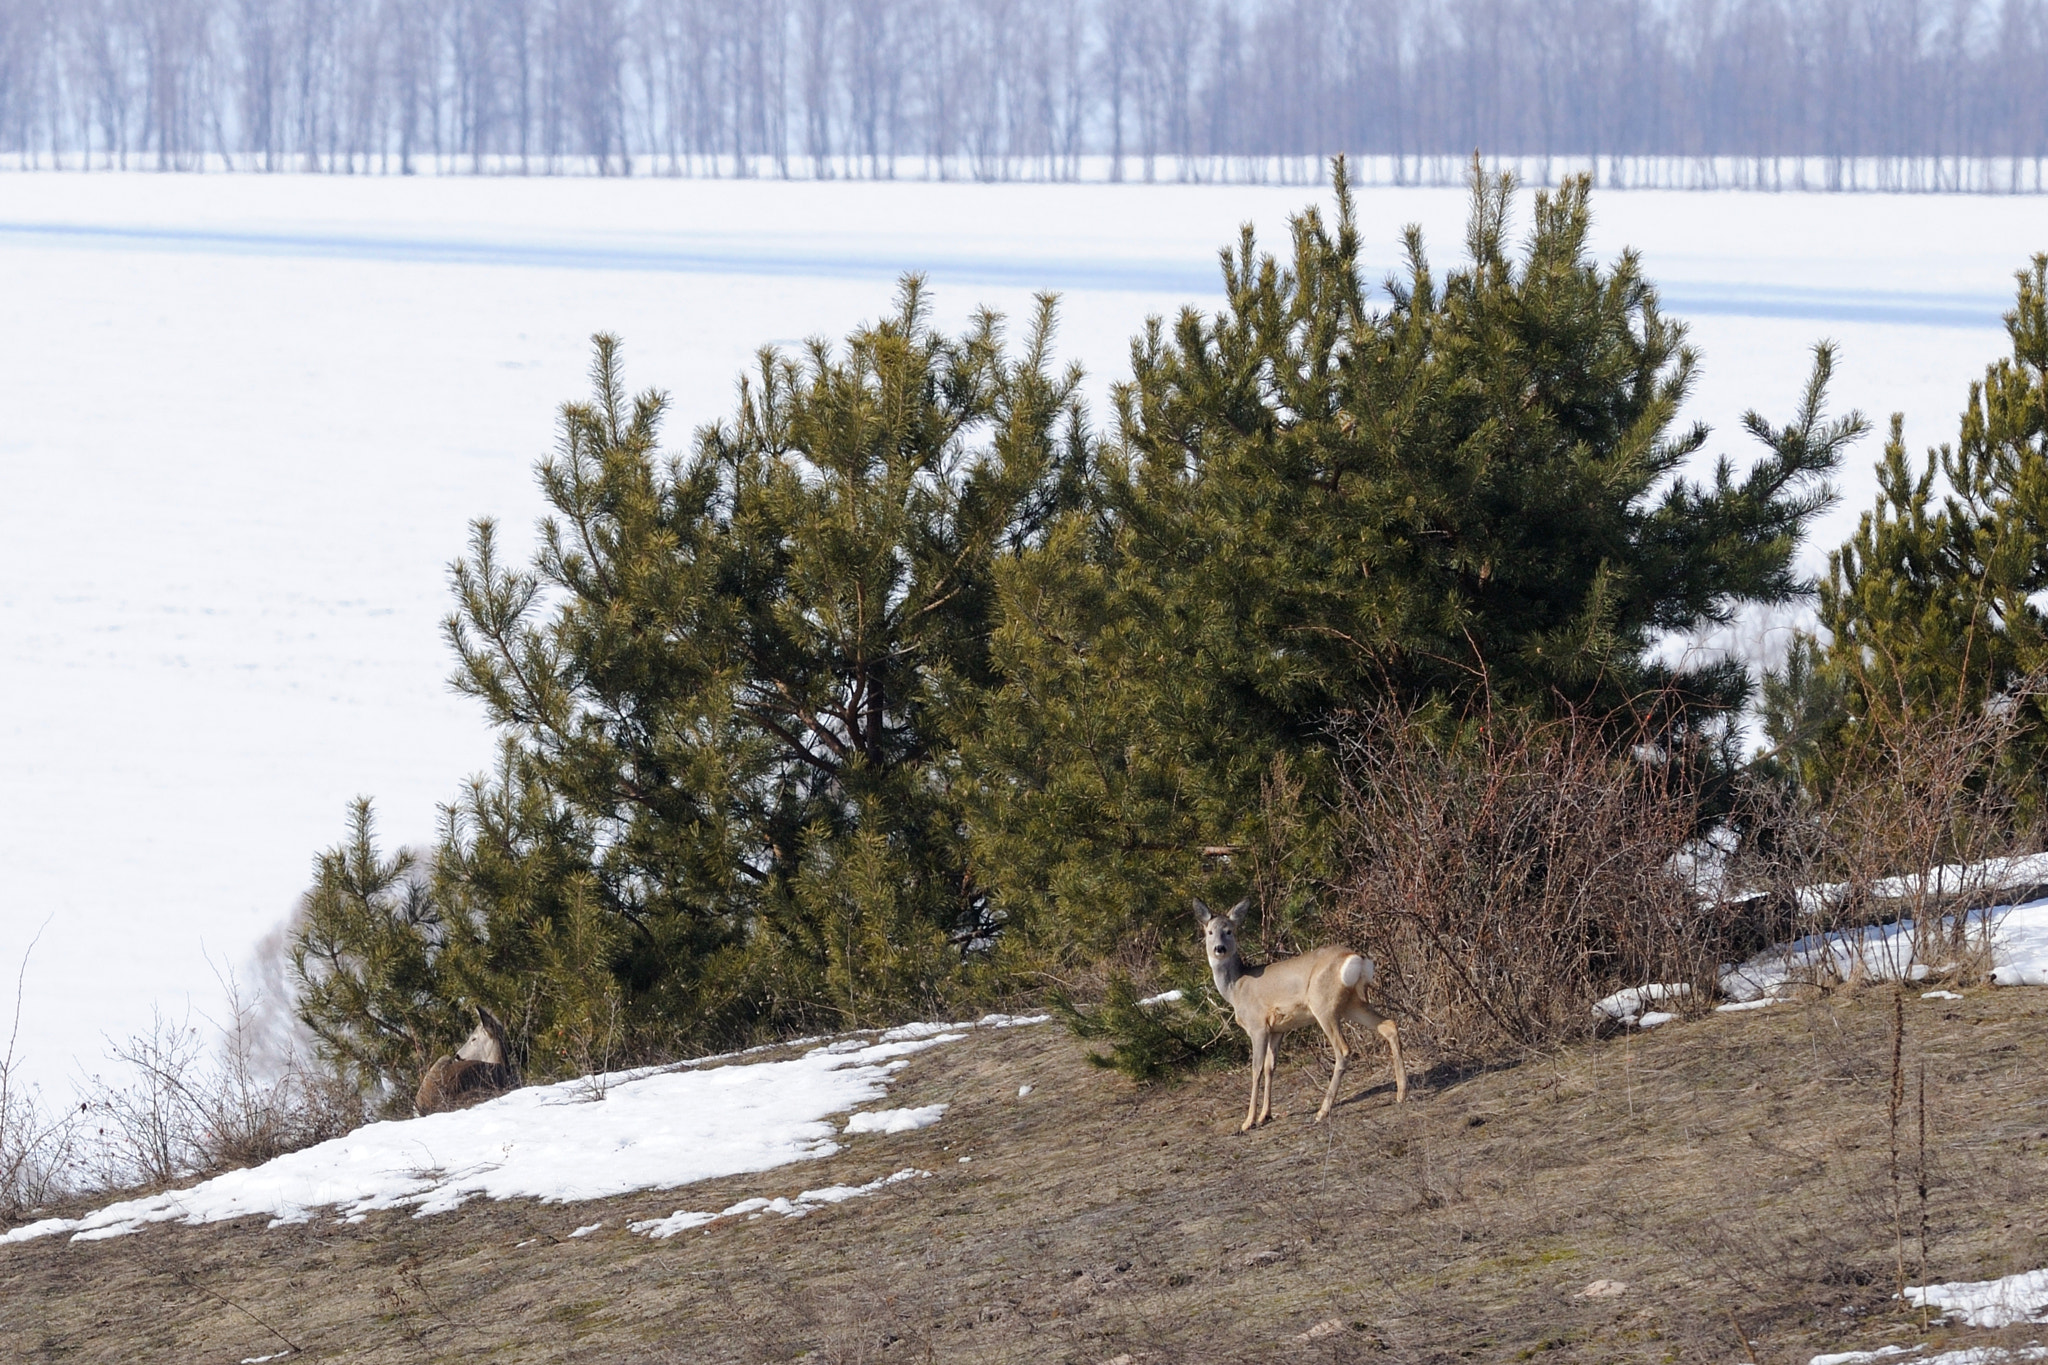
x=732, y=687
x=366, y=954
x=1931, y=607
x=1469, y=498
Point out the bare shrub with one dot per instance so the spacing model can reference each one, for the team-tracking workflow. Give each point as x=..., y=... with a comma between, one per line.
x=260, y=1098
x=180, y=1108
x=145, y=1131
x=1914, y=825
x=35, y=1145
x=1507, y=874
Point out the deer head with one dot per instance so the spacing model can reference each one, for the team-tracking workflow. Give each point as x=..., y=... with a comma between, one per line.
x=486, y=1043
x=1219, y=932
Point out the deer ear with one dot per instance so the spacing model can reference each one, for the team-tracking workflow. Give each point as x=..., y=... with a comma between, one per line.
x=1237, y=912
x=1203, y=914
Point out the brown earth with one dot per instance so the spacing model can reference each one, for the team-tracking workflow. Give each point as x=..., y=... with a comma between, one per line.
x=1733, y=1171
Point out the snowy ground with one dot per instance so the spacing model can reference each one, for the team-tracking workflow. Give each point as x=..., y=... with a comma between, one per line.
x=589, y=1139
x=2016, y=936
x=247, y=419
x=1889, y=952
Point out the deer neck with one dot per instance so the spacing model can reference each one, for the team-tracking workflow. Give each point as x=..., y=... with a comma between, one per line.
x=1227, y=971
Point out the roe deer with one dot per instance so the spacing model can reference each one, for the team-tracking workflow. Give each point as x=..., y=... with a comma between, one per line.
x=1325, y=986
x=481, y=1067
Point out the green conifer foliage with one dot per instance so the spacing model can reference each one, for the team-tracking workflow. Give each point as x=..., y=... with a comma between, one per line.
x=1932, y=607
x=367, y=957
x=732, y=687
x=1312, y=504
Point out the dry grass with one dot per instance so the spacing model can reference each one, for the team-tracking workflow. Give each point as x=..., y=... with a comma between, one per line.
x=1729, y=1169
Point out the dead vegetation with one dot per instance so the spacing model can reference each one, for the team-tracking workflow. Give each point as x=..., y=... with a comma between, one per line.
x=35, y=1143
x=1509, y=874
x=182, y=1102
x=1731, y=1174
x=1915, y=823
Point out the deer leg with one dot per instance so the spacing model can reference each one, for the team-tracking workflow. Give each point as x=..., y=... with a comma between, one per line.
x=1388, y=1031
x=1259, y=1045
x=1342, y=1051
x=1272, y=1056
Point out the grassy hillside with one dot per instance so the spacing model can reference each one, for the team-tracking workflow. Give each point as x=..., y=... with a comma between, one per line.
x=1731, y=1171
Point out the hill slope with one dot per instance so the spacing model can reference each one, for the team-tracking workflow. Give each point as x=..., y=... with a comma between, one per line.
x=1727, y=1169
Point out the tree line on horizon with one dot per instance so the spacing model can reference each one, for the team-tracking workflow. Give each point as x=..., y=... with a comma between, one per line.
x=995, y=89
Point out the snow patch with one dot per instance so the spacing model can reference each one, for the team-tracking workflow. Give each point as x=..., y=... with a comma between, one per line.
x=807, y=1202
x=657, y=1129
x=2016, y=934
x=1163, y=998
x=1010, y=1020
x=1865, y=1357
x=1988, y=1303
x=1626, y=1006
x=894, y=1120
x=1969, y=1355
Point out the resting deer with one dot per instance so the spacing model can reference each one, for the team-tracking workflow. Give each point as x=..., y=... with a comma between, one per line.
x=1325, y=986
x=480, y=1068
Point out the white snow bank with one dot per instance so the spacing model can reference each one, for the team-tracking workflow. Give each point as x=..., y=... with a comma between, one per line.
x=1988, y=1303
x=1163, y=998
x=655, y=1128
x=1626, y=1006
x=894, y=1120
x=1974, y=1303
x=2033, y=973
x=2022, y=873
x=1865, y=1357
x=682, y=1220
x=1969, y=1355
x=2018, y=936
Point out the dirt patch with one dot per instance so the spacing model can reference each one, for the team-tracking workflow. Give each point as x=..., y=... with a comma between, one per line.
x=1719, y=1179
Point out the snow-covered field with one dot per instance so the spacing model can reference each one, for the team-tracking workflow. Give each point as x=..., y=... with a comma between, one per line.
x=244, y=422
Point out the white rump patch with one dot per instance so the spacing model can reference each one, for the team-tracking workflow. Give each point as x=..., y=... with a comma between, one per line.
x=1357, y=969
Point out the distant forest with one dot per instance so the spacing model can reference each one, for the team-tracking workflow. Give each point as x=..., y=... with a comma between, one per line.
x=1906, y=94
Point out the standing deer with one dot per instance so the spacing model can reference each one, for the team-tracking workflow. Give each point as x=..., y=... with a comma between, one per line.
x=481, y=1067
x=1325, y=986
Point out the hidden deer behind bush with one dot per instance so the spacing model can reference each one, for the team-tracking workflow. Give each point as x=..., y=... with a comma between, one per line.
x=481, y=1068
